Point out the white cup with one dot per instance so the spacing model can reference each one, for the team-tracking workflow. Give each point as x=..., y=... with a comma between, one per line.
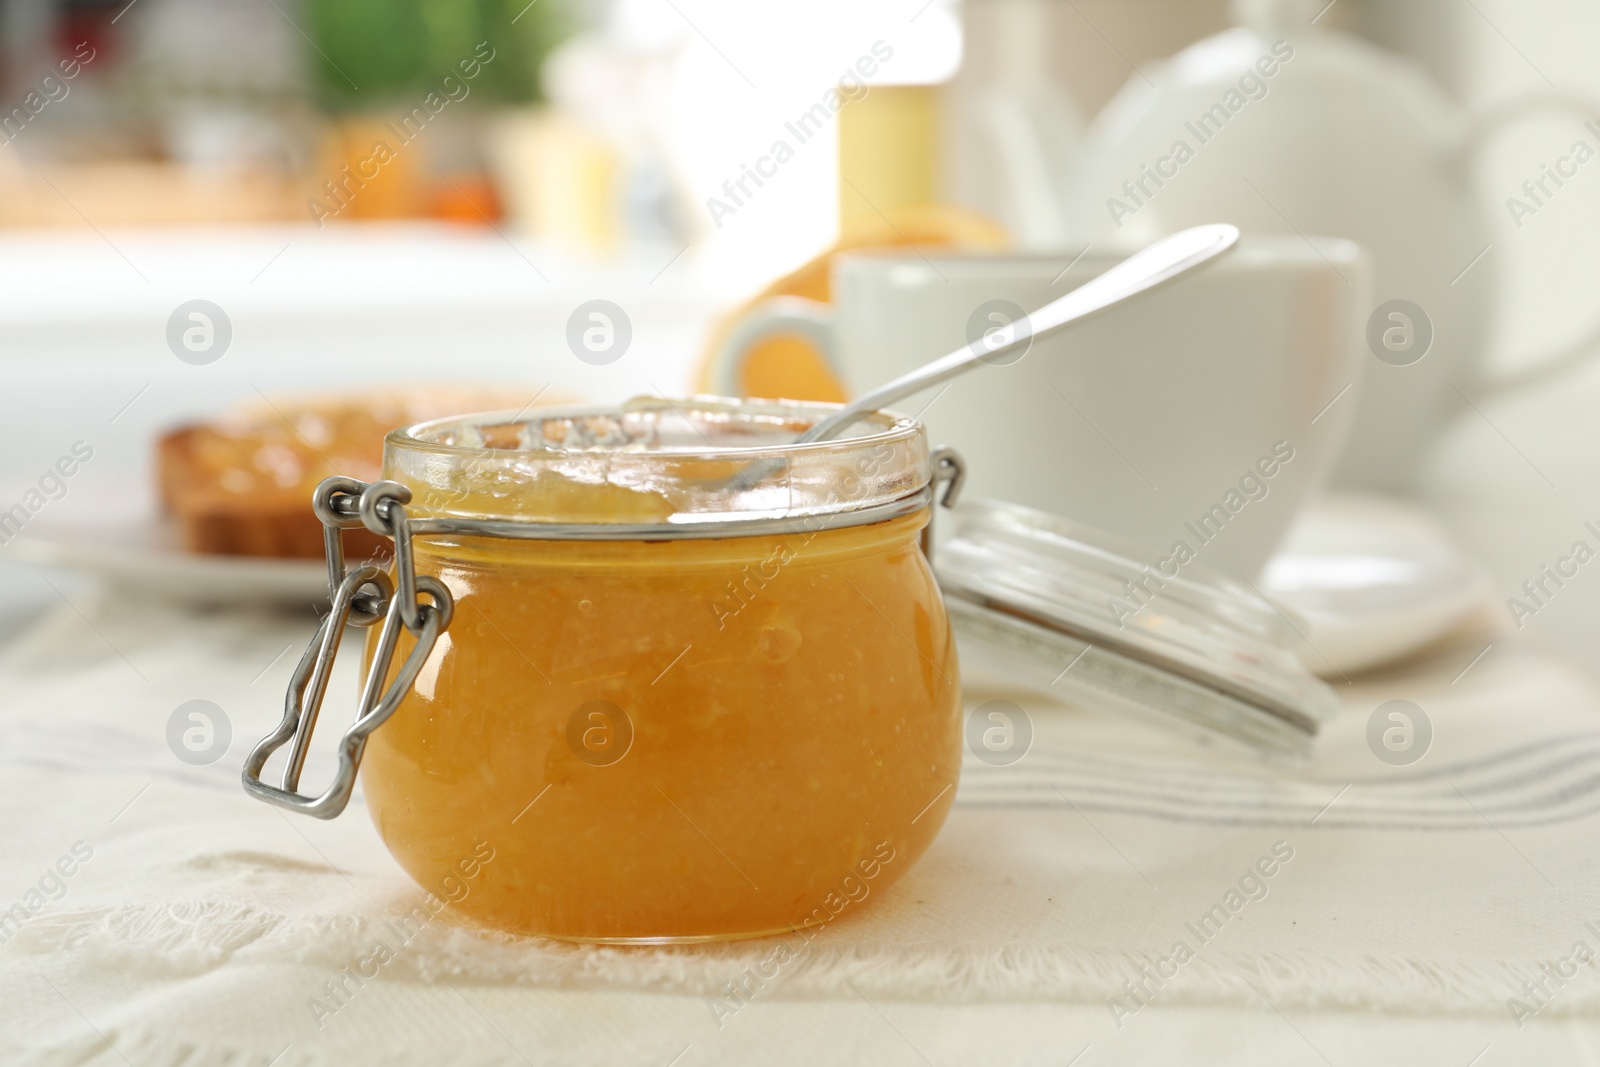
x=1200, y=414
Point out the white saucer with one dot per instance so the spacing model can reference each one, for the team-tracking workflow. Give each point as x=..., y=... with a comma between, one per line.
x=1373, y=578
x=145, y=557
x=1368, y=579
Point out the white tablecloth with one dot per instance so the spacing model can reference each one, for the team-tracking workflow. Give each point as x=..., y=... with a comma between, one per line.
x=1404, y=908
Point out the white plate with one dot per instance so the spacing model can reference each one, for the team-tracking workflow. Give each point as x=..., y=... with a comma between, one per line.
x=1374, y=579
x=145, y=557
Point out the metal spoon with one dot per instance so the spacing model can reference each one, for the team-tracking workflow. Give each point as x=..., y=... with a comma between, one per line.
x=1162, y=261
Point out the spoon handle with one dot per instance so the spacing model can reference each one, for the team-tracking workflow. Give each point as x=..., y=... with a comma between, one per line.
x=1145, y=269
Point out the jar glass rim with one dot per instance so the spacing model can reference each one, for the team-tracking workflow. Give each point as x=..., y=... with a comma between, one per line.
x=791, y=416
x=657, y=464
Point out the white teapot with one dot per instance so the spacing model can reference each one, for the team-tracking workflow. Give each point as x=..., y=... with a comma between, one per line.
x=1280, y=126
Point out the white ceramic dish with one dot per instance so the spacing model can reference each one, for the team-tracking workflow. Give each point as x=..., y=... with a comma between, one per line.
x=1373, y=580
x=145, y=557
x=1369, y=580
x=1144, y=416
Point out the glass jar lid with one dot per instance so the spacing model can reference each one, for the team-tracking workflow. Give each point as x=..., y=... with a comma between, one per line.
x=657, y=467
x=1074, y=608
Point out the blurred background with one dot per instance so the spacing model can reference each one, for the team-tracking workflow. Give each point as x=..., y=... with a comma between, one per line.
x=393, y=191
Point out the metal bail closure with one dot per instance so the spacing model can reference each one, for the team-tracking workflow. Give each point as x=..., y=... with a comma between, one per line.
x=342, y=503
x=948, y=466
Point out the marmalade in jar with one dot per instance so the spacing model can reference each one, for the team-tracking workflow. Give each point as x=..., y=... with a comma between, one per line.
x=670, y=739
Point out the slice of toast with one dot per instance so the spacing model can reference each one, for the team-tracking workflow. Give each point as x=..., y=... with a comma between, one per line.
x=242, y=485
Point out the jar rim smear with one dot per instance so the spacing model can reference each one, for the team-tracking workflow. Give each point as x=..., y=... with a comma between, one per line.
x=656, y=465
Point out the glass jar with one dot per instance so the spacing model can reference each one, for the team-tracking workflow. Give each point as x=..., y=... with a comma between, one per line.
x=697, y=681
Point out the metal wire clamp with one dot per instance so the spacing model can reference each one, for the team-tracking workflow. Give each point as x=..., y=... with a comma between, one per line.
x=362, y=597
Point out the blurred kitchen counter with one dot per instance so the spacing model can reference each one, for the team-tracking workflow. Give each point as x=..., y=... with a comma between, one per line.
x=146, y=193
x=86, y=310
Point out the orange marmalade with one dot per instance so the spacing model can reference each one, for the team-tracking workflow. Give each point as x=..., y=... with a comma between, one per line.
x=671, y=738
